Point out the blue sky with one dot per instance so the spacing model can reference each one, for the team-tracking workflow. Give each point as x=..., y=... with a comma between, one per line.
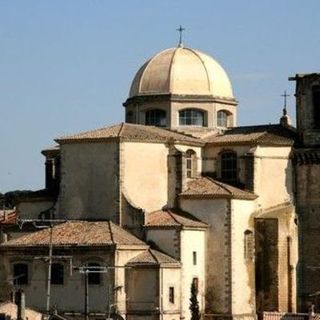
x=66, y=66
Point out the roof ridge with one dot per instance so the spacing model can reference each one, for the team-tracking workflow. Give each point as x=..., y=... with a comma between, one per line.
x=220, y=184
x=121, y=129
x=171, y=67
x=173, y=217
x=148, y=63
x=111, y=232
x=154, y=256
x=257, y=125
x=189, y=135
x=203, y=65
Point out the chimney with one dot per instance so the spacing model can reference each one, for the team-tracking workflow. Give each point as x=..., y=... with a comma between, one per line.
x=21, y=303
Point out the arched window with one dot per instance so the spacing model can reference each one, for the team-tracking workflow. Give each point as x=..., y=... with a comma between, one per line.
x=191, y=117
x=20, y=273
x=229, y=170
x=156, y=117
x=94, y=277
x=191, y=163
x=57, y=273
x=222, y=118
x=248, y=245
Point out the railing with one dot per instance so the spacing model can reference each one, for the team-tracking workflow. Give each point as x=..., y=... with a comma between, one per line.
x=285, y=316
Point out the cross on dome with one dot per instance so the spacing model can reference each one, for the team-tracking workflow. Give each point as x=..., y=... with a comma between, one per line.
x=180, y=29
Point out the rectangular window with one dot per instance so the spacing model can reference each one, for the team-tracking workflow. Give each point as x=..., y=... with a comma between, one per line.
x=171, y=294
x=196, y=283
x=57, y=273
x=194, y=256
x=94, y=277
x=189, y=167
x=229, y=170
x=20, y=273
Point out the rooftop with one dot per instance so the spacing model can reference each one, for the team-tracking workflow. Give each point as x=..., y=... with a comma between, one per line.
x=130, y=132
x=77, y=233
x=206, y=187
x=173, y=218
x=270, y=134
x=153, y=257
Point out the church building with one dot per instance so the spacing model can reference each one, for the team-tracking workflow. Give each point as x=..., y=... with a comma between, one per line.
x=176, y=195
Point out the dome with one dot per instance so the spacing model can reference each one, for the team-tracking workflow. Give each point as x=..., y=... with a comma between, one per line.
x=181, y=71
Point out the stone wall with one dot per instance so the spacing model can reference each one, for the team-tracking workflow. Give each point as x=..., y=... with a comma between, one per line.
x=308, y=208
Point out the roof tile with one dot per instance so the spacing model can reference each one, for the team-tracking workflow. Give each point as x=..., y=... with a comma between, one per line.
x=130, y=132
x=272, y=134
x=153, y=257
x=77, y=233
x=206, y=187
x=173, y=218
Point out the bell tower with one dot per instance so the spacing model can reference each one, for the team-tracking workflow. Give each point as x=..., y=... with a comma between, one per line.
x=307, y=195
x=308, y=108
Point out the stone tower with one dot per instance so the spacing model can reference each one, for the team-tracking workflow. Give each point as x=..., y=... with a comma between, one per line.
x=307, y=175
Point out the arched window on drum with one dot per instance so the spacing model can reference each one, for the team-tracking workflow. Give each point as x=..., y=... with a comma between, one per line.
x=192, y=117
x=224, y=118
x=156, y=117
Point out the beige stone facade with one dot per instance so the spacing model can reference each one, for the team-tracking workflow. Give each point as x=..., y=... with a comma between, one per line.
x=199, y=200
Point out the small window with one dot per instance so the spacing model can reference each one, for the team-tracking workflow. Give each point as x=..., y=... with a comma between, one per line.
x=194, y=257
x=222, y=118
x=191, y=163
x=129, y=117
x=171, y=294
x=316, y=106
x=156, y=118
x=195, y=281
x=248, y=245
x=20, y=273
x=94, y=277
x=229, y=170
x=191, y=117
x=57, y=273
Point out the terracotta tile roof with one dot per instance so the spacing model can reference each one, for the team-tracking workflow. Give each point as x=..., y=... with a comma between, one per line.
x=8, y=216
x=272, y=134
x=77, y=233
x=130, y=132
x=197, y=132
x=173, y=218
x=153, y=257
x=206, y=187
